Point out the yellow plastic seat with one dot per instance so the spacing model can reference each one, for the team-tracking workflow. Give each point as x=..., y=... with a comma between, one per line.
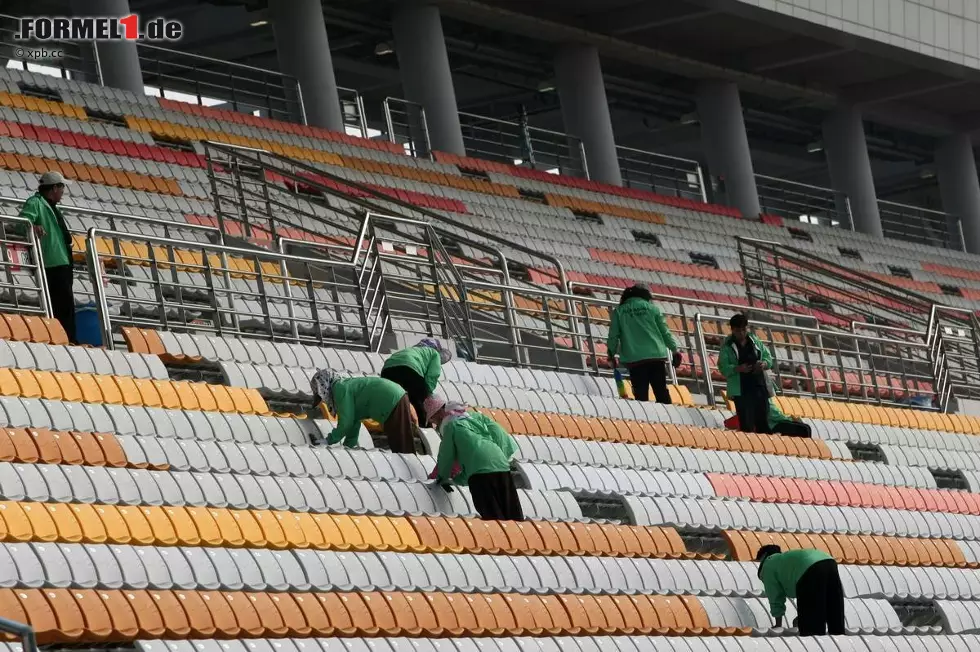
x=129, y=390
x=161, y=527
x=29, y=387
x=272, y=531
x=108, y=388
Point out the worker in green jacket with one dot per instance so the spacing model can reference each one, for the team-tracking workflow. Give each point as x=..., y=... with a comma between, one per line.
x=478, y=451
x=744, y=361
x=352, y=400
x=640, y=338
x=52, y=234
x=417, y=370
x=810, y=576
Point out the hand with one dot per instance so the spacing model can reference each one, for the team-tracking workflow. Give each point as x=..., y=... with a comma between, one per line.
x=743, y=368
x=612, y=362
x=677, y=359
x=448, y=488
x=759, y=366
x=39, y=231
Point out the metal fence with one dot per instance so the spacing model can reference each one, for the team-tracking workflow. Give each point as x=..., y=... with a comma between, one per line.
x=518, y=143
x=169, y=284
x=659, y=173
x=23, y=283
x=815, y=363
x=352, y=108
x=406, y=125
x=796, y=202
x=921, y=225
x=245, y=89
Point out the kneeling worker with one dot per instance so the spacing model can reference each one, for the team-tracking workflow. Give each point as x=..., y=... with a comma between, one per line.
x=810, y=576
x=353, y=400
x=478, y=450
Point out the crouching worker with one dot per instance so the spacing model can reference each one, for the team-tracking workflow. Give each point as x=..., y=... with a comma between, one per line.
x=780, y=424
x=482, y=450
x=352, y=400
x=811, y=577
x=417, y=370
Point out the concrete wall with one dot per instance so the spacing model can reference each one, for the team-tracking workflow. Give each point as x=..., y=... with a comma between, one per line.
x=945, y=29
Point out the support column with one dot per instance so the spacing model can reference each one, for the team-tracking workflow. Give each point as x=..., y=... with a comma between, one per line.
x=956, y=169
x=850, y=167
x=726, y=144
x=426, y=76
x=585, y=111
x=304, y=54
x=118, y=60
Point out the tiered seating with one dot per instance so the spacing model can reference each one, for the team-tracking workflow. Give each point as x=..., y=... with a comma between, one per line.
x=137, y=506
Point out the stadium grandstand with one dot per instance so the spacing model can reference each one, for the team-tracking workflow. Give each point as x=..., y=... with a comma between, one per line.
x=301, y=185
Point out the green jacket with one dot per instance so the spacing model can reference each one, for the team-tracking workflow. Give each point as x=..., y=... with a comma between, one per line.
x=357, y=399
x=776, y=415
x=422, y=360
x=478, y=443
x=781, y=572
x=728, y=360
x=639, y=328
x=56, y=242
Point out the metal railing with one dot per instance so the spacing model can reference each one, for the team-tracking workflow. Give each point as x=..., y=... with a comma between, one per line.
x=169, y=284
x=796, y=202
x=662, y=174
x=24, y=632
x=406, y=125
x=78, y=60
x=518, y=143
x=352, y=108
x=816, y=363
x=244, y=88
x=921, y=225
x=23, y=283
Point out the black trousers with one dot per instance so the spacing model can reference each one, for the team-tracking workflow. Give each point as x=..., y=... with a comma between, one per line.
x=414, y=386
x=792, y=429
x=820, y=600
x=753, y=413
x=60, y=281
x=653, y=373
x=495, y=497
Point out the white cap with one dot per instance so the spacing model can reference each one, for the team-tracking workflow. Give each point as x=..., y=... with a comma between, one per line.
x=52, y=179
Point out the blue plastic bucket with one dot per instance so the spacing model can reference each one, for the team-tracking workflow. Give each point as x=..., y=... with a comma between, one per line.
x=88, y=330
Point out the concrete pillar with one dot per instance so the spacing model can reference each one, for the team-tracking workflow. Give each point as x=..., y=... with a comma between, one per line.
x=726, y=144
x=119, y=60
x=956, y=169
x=304, y=54
x=585, y=111
x=426, y=76
x=850, y=167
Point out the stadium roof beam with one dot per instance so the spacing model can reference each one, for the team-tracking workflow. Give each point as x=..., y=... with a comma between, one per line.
x=648, y=16
x=786, y=54
x=900, y=87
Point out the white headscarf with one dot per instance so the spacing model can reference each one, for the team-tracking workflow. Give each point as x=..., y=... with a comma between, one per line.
x=454, y=412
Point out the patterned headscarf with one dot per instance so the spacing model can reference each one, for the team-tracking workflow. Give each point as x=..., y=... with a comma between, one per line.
x=445, y=355
x=322, y=384
x=454, y=412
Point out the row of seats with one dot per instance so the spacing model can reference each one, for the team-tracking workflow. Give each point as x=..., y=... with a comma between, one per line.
x=61, y=358
x=727, y=514
x=125, y=390
x=27, y=328
x=924, y=643
x=102, y=566
x=61, y=616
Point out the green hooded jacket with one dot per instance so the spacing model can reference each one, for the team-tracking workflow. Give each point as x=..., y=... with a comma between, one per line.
x=478, y=443
x=776, y=415
x=782, y=571
x=357, y=399
x=56, y=241
x=728, y=360
x=422, y=360
x=638, y=331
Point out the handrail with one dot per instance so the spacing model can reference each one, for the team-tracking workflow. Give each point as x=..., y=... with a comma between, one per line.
x=25, y=229
x=25, y=632
x=95, y=267
x=856, y=339
x=561, y=275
